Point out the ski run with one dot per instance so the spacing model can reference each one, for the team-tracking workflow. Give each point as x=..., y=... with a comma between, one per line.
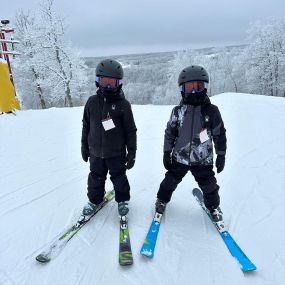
x=43, y=190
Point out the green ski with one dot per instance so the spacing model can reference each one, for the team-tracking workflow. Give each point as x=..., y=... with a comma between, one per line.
x=125, y=251
x=55, y=248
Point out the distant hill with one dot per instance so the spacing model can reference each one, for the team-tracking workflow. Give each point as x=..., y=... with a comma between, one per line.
x=91, y=62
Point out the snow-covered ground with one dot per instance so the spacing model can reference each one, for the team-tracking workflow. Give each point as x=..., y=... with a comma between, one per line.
x=43, y=188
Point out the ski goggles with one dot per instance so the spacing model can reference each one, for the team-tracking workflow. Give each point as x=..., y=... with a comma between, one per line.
x=108, y=82
x=193, y=86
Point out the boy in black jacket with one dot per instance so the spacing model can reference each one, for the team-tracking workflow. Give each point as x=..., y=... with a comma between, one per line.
x=108, y=138
x=192, y=127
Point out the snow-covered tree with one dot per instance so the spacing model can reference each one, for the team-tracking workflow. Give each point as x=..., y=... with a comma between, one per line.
x=49, y=62
x=29, y=73
x=63, y=63
x=265, y=57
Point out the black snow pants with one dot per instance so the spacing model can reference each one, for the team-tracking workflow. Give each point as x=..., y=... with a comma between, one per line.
x=99, y=168
x=204, y=176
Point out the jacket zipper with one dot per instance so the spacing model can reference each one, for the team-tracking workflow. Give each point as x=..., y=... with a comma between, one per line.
x=192, y=129
x=102, y=130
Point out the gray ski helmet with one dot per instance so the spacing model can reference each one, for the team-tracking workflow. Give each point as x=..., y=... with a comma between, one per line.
x=193, y=73
x=110, y=68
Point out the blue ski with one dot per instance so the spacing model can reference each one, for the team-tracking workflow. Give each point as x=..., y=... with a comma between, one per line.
x=244, y=262
x=150, y=240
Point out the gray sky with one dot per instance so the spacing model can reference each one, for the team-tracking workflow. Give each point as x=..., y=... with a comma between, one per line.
x=112, y=27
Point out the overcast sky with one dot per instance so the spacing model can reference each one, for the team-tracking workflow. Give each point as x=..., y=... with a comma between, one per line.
x=112, y=27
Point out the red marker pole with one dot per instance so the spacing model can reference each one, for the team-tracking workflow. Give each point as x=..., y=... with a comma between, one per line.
x=1, y=38
x=5, y=49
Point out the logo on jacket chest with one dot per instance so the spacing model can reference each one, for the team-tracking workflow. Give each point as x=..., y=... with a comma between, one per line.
x=113, y=107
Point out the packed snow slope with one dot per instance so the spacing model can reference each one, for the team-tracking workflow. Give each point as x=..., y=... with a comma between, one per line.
x=43, y=188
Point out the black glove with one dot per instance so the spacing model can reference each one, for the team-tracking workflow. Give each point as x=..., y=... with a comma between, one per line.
x=167, y=162
x=85, y=153
x=220, y=162
x=130, y=161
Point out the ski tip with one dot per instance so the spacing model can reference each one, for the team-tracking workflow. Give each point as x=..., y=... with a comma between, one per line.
x=109, y=195
x=42, y=259
x=198, y=194
x=196, y=191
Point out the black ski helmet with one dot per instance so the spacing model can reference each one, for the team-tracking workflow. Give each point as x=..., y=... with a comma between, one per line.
x=110, y=68
x=193, y=73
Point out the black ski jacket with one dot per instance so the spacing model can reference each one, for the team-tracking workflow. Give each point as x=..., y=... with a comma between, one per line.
x=116, y=141
x=184, y=129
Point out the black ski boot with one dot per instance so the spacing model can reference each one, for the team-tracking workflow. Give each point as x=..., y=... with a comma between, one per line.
x=160, y=206
x=216, y=215
x=123, y=208
x=90, y=209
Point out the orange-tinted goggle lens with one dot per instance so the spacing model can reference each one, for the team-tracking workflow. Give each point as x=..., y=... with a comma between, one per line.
x=194, y=86
x=108, y=81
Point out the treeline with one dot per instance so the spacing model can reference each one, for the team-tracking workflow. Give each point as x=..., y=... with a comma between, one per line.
x=256, y=68
x=50, y=72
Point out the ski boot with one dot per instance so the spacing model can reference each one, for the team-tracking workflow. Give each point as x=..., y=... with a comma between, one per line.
x=160, y=206
x=123, y=208
x=89, y=209
x=216, y=215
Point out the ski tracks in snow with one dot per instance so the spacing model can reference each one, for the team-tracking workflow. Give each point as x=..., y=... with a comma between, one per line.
x=46, y=179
